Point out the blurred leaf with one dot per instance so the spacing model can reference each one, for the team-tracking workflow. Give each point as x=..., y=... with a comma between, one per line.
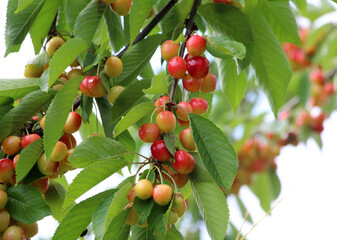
x=261, y=186
x=276, y=184
x=243, y=209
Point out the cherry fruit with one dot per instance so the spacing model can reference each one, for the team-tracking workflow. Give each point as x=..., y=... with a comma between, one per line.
x=121, y=7
x=183, y=114
x=73, y=123
x=3, y=199
x=177, y=67
x=191, y=84
x=143, y=189
x=14, y=233
x=183, y=162
x=113, y=67
x=160, y=152
x=11, y=145
x=47, y=168
x=114, y=93
x=186, y=139
x=53, y=44
x=4, y=220
x=162, y=194
x=208, y=84
x=33, y=71
x=68, y=140
x=149, y=132
x=30, y=230
x=42, y=184
x=166, y=121
x=59, y=152
x=161, y=102
x=169, y=49
x=196, y=45
x=199, y=105
x=28, y=139
x=198, y=67
x=6, y=169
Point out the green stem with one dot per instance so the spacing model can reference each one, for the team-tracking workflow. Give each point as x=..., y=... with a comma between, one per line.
x=174, y=182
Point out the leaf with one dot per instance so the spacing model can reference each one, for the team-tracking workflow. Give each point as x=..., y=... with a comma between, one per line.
x=174, y=234
x=42, y=23
x=158, y=220
x=93, y=126
x=140, y=9
x=170, y=142
x=143, y=208
x=18, y=88
x=136, y=59
x=281, y=20
x=159, y=84
x=129, y=143
x=86, y=107
x=73, y=9
x=26, y=204
x=18, y=24
x=243, y=209
x=271, y=65
x=276, y=184
x=16, y=117
x=61, y=21
x=91, y=176
x=105, y=109
x=78, y=218
x=40, y=59
x=28, y=158
x=127, y=99
x=134, y=115
x=88, y=21
x=57, y=114
x=64, y=56
x=115, y=30
x=225, y=46
x=215, y=150
x=142, y=233
x=261, y=187
x=22, y=4
x=211, y=201
x=118, y=229
x=233, y=86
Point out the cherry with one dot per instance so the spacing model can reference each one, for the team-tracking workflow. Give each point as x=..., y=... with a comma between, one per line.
x=186, y=139
x=162, y=194
x=303, y=118
x=53, y=44
x=68, y=140
x=84, y=87
x=191, y=84
x=11, y=145
x=143, y=189
x=75, y=72
x=198, y=67
x=199, y=105
x=183, y=162
x=74, y=64
x=177, y=67
x=121, y=7
x=208, y=84
x=28, y=139
x=6, y=169
x=73, y=123
x=178, y=200
x=196, y=45
x=182, y=115
x=95, y=86
x=59, y=152
x=317, y=76
x=173, y=217
x=329, y=88
x=181, y=210
x=3, y=186
x=114, y=93
x=133, y=217
x=14, y=233
x=166, y=121
x=131, y=195
x=113, y=67
x=169, y=49
x=222, y=1
x=160, y=152
x=187, y=57
x=30, y=230
x=33, y=71
x=183, y=124
x=42, y=184
x=3, y=199
x=47, y=168
x=4, y=220
x=149, y=132
x=36, y=118
x=160, y=102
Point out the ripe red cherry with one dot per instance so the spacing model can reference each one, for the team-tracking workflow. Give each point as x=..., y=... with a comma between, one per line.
x=68, y=140
x=121, y=7
x=42, y=184
x=162, y=194
x=186, y=139
x=11, y=145
x=180, y=179
x=95, y=86
x=192, y=84
x=187, y=57
x=196, y=45
x=177, y=67
x=28, y=139
x=222, y=1
x=84, y=87
x=182, y=115
x=183, y=162
x=143, y=189
x=329, y=88
x=160, y=102
x=183, y=124
x=47, y=168
x=59, y=152
x=149, y=132
x=317, y=76
x=73, y=123
x=199, y=105
x=6, y=169
x=208, y=84
x=198, y=67
x=160, y=152
x=15, y=161
x=169, y=50
x=166, y=121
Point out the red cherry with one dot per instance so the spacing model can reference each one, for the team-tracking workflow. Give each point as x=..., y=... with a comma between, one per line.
x=191, y=84
x=198, y=67
x=182, y=115
x=169, y=49
x=166, y=121
x=187, y=57
x=199, y=105
x=177, y=67
x=160, y=152
x=47, y=168
x=162, y=194
x=131, y=195
x=196, y=45
x=15, y=161
x=317, y=76
x=208, y=84
x=180, y=179
x=329, y=88
x=95, y=86
x=73, y=123
x=149, y=132
x=84, y=87
x=183, y=124
x=11, y=145
x=183, y=162
x=186, y=139
x=6, y=169
x=160, y=102
x=222, y=1
x=28, y=139
x=42, y=184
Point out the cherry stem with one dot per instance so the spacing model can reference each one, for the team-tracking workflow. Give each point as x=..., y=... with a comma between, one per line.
x=140, y=167
x=174, y=182
x=148, y=173
x=189, y=30
x=27, y=132
x=71, y=142
x=160, y=175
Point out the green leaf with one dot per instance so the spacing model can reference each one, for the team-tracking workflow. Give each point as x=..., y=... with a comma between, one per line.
x=18, y=88
x=64, y=56
x=86, y=107
x=4, y=109
x=128, y=98
x=143, y=208
x=151, y=177
x=104, y=107
x=22, y=4
x=281, y=20
x=233, y=86
x=142, y=233
x=174, y=234
x=40, y=59
x=158, y=220
x=210, y=199
x=91, y=176
x=215, y=150
x=159, y=84
x=43, y=22
x=135, y=114
x=271, y=65
x=129, y=143
x=57, y=114
x=26, y=204
x=55, y=197
x=73, y=9
x=225, y=46
x=118, y=229
x=276, y=184
x=115, y=30
x=18, y=24
x=243, y=209
x=93, y=126
x=262, y=188
x=140, y=9
x=136, y=59
x=170, y=142
x=88, y=20
x=28, y=158
x=29, y=106
x=61, y=21
x=78, y=218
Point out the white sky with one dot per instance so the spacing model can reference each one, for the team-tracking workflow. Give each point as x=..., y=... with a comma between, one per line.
x=308, y=177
